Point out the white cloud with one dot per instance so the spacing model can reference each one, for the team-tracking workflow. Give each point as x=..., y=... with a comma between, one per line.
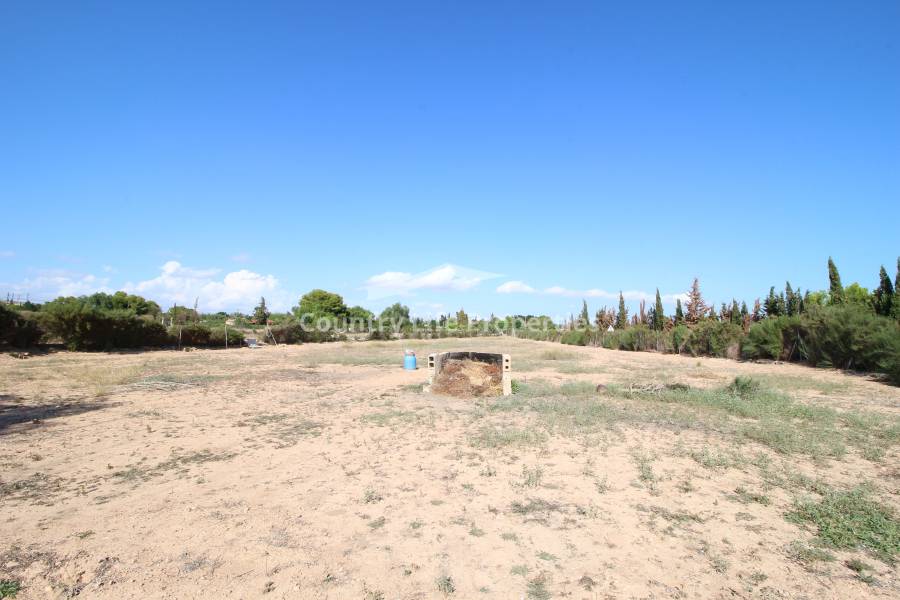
x=511, y=287
x=7, y=253
x=241, y=257
x=238, y=290
x=51, y=283
x=515, y=287
x=443, y=278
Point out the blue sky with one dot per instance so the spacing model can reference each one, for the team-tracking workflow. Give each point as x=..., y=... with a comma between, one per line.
x=228, y=150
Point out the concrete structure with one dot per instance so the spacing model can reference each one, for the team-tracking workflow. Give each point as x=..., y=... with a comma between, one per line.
x=436, y=361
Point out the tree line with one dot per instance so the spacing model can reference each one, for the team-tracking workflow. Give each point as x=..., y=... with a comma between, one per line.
x=845, y=327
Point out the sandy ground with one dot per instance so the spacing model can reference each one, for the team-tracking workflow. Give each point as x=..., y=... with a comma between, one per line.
x=322, y=471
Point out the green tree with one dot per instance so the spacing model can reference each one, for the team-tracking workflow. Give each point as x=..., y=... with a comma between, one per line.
x=622, y=317
x=897, y=278
x=835, y=288
x=857, y=294
x=261, y=313
x=359, y=318
x=585, y=316
x=395, y=315
x=792, y=300
x=896, y=303
x=462, y=319
x=319, y=303
x=736, y=313
x=883, y=300
x=772, y=305
x=658, y=321
x=679, y=312
x=179, y=315
x=744, y=311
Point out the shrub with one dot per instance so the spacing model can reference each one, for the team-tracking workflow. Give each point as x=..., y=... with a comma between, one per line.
x=574, y=338
x=851, y=336
x=764, y=340
x=680, y=336
x=777, y=338
x=715, y=338
x=18, y=329
x=288, y=332
x=217, y=337
x=81, y=326
x=191, y=334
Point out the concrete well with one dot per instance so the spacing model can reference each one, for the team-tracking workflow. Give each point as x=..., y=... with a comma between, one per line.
x=436, y=361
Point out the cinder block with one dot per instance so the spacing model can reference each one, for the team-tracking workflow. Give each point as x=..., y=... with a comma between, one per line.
x=436, y=360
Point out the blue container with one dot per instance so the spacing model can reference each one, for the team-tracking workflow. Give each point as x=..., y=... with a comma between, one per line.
x=409, y=361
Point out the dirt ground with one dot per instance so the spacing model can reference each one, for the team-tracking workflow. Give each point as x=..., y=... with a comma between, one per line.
x=323, y=471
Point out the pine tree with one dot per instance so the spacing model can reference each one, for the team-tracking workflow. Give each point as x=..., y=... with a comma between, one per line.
x=835, y=289
x=884, y=295
x=696, y=307
x=261, y=313
x=744, y=311
x=679, y=313
x=585, y=316
x=659, y=316
x=757, y=310
x=622, y=317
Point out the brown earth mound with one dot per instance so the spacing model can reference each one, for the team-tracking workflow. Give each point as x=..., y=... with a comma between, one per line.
x=468, y=378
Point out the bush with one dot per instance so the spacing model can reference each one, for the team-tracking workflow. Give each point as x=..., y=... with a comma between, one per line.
x=191, y=334
x=18, y=329
x=217, y=337
x=574, y=338
x=715, y=338
x=764, y=340
x=680, y=336
x=853, y=337
x=288, y=332
x=777, y=338
x=81, y=326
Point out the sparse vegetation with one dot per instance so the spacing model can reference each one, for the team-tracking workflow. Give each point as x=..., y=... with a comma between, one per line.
x=851, y=519
x=704, y=447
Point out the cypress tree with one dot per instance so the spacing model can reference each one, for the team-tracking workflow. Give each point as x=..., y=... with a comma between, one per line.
x=771, y=303
x=792, y=303
x=884, y=295
x=835, y=289
x=585, y=315
x=896, y=303
x=744, y=311
x=736, y=313
x=659, y=315
x=897, y=278
x=679, y=313
x=622, y=317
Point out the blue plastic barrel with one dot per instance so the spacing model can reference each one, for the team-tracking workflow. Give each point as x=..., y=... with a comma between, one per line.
x=409, y=360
